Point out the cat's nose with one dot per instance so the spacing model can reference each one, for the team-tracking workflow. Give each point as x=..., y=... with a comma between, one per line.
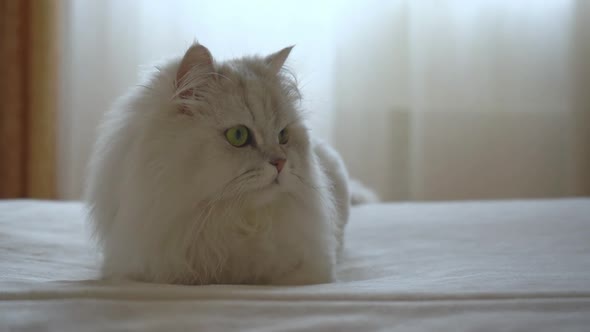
x=278, y=163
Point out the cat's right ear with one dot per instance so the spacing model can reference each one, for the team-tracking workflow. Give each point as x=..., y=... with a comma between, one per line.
x=194, y=72
x=197, y=58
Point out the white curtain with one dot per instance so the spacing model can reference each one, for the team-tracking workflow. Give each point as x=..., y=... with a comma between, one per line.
x=109, y=42
x=424, y=99
x=465, y=99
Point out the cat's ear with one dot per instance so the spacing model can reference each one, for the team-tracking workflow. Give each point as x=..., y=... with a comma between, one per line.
x=276, y=61
x=197, y=56
x=195, y=71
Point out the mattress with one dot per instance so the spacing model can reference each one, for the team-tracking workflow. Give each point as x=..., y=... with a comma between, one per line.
x=485, y=266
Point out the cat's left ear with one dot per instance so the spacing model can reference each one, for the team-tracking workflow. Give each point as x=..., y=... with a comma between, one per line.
x=276, y=61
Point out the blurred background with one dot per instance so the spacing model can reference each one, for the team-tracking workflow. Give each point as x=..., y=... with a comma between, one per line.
x=425, y=100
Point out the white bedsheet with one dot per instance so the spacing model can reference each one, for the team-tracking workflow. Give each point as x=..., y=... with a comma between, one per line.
x=485, y=266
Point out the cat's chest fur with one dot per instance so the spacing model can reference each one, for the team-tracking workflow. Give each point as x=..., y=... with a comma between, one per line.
x=268, y=244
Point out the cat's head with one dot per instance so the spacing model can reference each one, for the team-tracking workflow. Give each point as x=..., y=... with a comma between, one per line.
x=233, y=130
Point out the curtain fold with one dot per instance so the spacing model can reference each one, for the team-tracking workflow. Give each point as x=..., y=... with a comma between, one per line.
x=581, y=96
x=445, y=100
x=28, y=86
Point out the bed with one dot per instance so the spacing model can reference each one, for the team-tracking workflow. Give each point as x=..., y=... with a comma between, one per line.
x=485, y=266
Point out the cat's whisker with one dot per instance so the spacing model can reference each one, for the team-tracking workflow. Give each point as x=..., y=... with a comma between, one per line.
x=145, y=87
x=191, y=82
x=223, y=76
x=300, y=178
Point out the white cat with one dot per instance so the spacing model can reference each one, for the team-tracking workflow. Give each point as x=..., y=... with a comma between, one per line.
x=206, y=174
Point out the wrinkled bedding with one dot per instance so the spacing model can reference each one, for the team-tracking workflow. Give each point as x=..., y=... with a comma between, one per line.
x=486, y=266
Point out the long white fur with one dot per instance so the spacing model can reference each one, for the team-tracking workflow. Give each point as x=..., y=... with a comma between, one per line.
x=172, y=201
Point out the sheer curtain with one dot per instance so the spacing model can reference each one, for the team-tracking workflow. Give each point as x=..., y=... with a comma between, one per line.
x=424, y=99
x=110, y=42
x=465, y=99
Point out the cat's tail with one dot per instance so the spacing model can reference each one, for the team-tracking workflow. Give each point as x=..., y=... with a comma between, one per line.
x=361, y=194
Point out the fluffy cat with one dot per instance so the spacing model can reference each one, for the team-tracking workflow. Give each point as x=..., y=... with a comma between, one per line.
x=206, y=173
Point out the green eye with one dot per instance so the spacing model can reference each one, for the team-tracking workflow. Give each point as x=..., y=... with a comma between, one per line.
x=238, y=136
x=283, y=136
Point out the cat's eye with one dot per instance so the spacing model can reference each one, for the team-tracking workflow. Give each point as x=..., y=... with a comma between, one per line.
x=238, y=136
x=283, y=136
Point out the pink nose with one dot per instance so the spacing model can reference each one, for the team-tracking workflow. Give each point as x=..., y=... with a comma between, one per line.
x=278, y=163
